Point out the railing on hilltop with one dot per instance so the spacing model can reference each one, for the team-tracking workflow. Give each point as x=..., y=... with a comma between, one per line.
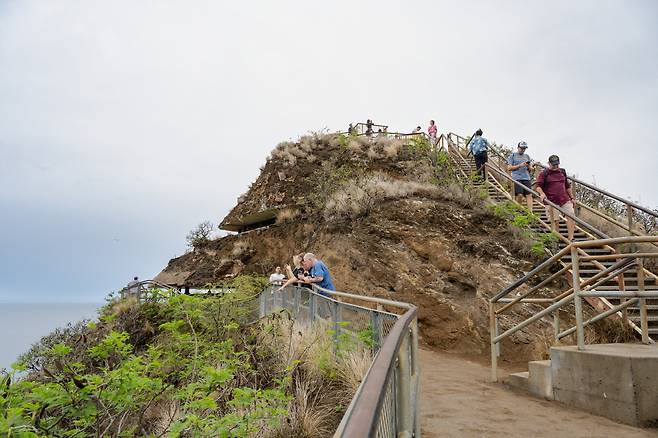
x=581, y=289
x=146, y=290
x=386, y=402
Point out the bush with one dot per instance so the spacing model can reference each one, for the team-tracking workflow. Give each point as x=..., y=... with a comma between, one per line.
x=209, y=369
x=202, y=374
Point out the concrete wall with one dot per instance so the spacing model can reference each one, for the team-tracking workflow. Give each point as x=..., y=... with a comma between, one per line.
x=617, y=381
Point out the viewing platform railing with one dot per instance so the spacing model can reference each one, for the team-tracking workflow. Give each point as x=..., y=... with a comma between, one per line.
x=386, y=402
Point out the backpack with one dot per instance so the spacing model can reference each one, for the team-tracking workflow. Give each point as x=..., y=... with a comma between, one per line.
x=545, y=175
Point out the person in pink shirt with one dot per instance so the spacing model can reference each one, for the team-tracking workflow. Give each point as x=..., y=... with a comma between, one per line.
x=432, y=131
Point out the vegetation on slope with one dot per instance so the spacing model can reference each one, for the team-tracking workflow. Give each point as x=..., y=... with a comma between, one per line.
x=183, y=366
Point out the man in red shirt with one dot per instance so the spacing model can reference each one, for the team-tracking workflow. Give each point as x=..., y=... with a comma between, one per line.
x=552, y=183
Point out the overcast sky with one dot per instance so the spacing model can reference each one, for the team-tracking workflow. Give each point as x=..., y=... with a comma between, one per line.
x=125, y=124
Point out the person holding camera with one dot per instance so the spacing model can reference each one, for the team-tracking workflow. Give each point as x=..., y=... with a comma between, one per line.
x=520, y=164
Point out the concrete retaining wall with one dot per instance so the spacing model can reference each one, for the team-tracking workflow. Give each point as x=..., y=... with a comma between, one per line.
x=618, y=381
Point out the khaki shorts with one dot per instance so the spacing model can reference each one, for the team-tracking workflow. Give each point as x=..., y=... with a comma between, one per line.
x=555, y=214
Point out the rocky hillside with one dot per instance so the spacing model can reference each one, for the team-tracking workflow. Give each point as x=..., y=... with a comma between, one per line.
x=389, y=220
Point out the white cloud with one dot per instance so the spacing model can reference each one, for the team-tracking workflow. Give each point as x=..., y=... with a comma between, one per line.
x=163, y=111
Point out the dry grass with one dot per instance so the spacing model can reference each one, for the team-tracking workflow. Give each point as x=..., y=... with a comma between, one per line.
x=286, y=215
x=321, y=380
x=240, y=248
x=358, y=196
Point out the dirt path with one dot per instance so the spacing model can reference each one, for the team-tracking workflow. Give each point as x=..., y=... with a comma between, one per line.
x=457, y=401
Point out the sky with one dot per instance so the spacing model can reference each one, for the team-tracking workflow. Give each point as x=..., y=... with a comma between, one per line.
x=124, y=124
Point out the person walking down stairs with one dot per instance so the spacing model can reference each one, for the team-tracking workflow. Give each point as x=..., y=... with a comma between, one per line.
x=520, y=164
x=553, y=184
x=479, y=147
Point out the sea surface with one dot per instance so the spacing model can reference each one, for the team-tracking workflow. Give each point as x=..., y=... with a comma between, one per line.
x=21, y=325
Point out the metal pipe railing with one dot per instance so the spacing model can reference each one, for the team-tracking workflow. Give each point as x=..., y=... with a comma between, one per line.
x=581, y=289
x=395, y=366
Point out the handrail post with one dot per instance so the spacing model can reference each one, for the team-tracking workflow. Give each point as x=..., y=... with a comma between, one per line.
x=336, y=319
x=577, y=299
x=415, y=369
x=556, y=325
x=298, y=298
x=494, y=333
x=263, y=297
x=644, y=321
x=629, y=216
x=377, y=335
x=403, y=392
x=621, y=282
x=312, y=305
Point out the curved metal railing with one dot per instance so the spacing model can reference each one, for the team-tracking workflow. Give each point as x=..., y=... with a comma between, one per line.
x=386, y=402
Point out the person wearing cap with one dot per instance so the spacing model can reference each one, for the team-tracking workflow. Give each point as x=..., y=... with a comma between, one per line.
x=520, y=164
x=553, y=184
x=479, y=147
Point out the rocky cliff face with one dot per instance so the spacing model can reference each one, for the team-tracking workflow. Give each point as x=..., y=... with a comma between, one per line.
x=386, y=218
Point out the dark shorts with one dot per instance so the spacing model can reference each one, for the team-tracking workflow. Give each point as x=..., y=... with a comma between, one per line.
x=519, y=190
x=480, y=159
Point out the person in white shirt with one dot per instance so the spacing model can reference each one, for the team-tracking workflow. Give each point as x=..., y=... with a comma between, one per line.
x=277, y=278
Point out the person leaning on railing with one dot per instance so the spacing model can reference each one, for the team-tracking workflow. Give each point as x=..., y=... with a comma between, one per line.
x=297, y=274
x=318, y=272
x=553, y=184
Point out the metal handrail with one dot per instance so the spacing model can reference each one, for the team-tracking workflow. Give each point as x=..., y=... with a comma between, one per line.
x=589, y=186
x=579, y=221
x=504, y=175
x=365, y=414
x=581, y=289
x=395, y=363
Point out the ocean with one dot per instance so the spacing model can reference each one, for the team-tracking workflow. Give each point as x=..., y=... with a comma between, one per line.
x=21, y=324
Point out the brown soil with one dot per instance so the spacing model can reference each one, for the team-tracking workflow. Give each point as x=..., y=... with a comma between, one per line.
x=457, y=401
x=445, y=258
x=443, y=251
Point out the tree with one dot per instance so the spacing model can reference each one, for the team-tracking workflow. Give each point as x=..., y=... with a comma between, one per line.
x=200, y=236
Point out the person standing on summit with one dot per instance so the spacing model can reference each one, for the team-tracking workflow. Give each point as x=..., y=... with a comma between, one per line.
x=520, y=164
x=553, y=184
x=479, y=147
x=432, y=131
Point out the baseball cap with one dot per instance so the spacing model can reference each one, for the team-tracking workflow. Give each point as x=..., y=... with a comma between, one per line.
x=554, y=159
x=523, y=144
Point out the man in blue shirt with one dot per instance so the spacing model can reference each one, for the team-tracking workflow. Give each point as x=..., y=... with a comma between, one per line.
x=479, y=147
x=520, y=164
x=319, y=273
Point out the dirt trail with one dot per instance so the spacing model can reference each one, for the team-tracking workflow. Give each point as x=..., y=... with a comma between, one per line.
x=458, y=401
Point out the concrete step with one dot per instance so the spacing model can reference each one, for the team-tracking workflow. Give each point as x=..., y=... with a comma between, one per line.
x=519, y=380
x=539, y=379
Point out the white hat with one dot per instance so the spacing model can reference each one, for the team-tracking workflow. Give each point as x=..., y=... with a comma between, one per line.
x=523, y=144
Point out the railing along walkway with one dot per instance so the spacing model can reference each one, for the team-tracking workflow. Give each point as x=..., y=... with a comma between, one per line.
x=499, y=187
x=386, y=402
